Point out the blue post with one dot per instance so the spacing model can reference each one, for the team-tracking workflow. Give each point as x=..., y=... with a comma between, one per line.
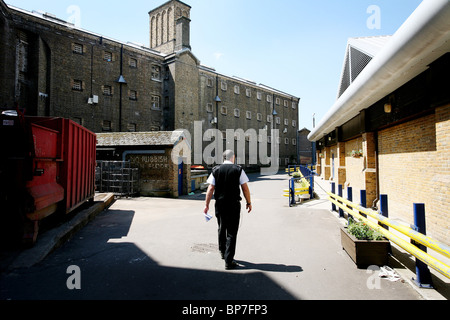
x=292, y=193
x=311, y=185
x=333, y=191
x=363, y=196
x=423, y=275
x=384, y=209
x=341, y=212
x=350, y=197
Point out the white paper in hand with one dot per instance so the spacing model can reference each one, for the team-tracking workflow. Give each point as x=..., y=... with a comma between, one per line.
x=208, y=217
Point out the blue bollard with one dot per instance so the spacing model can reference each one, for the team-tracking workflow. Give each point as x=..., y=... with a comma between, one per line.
x=363, y=197
x=292, y=193
x=350, y=198
x=423, y=275
x=333, y=191
x=341, y=212
x=384, y=209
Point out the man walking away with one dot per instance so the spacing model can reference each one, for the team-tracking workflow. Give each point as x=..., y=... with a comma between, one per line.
x=225, y=183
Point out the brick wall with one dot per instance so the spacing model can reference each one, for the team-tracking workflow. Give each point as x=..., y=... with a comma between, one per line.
x=414, y=167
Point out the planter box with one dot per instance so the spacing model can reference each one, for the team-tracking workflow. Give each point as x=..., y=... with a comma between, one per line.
x=363, y=252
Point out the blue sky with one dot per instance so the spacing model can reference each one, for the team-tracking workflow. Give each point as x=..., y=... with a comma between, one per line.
x=295, y=46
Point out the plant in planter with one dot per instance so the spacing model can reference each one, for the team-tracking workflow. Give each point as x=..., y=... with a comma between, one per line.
x=364, y=245
x=357, y=153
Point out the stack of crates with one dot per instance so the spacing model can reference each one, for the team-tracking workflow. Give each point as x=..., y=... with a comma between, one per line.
x=117, y=177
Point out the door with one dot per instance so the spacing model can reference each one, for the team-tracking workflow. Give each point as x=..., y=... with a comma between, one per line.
x=180, y=178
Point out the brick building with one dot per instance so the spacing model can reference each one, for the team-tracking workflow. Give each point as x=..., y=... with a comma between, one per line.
x=52, y=68
x=389, y=130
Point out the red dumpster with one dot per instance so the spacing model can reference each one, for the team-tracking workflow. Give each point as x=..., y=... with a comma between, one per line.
x=47, y=166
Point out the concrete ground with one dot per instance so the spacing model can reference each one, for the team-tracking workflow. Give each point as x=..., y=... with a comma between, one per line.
x=163, y=249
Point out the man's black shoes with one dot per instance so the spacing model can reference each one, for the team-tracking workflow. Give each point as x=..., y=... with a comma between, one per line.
x=231, y=266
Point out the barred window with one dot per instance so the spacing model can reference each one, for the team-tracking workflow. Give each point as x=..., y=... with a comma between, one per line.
x=106, y=125
x=224, y=110
x=133, y=95
x=259, y=117
x=248, y=92
x=237, y=113
x=209, y=108
x=209, y=82
x=286, y=122
x=223, y=86
x=156, y=73
x=259, y=95
x=77, y=48
x=108, y=56
x=131, y=127
x=77, y=85
x=133, y=63
x=237, y=90
x=249, y=115
x=107, y=90
x=156, y=103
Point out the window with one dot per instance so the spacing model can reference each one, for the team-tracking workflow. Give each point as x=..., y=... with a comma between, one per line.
x=133, y=63
x=156, y=73
x=209, y=108
x=259, y=95
x=294, y=105
x=156, y=103
x=106, y=125
x=107, y=91
x=269, y=118
x=107, y=56
x=294, y=142
x=237, y=90
x=278, y=101
x=269, y=98
x=286, y=141
x=224, y=110
x=131, y=127
x=259, y=117
x=133, y=95
x=286, y=103
x=249, y=115
x=278, y=120
x=237, y=113
x=248, y=92
x=209, y=82
x=78, y=120
x=77, y=48
x=223, y=86
x=294, y=123
x=286, y=122
x=77, y=85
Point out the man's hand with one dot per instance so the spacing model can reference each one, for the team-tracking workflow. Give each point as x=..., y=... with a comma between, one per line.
x=249, y=208
x=206, y=210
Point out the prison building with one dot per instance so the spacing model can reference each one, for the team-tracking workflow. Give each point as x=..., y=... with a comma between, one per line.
x=53, y=68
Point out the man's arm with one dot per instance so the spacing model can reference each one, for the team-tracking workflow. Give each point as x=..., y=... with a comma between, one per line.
x=209, y=195
x=246, y=191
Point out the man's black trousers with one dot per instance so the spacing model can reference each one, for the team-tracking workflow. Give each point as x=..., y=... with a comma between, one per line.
x=228, y=216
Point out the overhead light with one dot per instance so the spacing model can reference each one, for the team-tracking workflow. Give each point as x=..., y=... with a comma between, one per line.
x=388, y=108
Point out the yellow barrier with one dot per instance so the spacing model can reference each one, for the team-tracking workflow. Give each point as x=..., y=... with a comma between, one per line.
x=415, y=251
x=416, y=236
x=298, y=191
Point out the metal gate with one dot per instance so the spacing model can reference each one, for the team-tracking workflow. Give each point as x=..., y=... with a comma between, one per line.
x=117, y=177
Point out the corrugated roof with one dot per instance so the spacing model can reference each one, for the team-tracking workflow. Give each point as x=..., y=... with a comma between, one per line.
x=369, y=45
x=157, y=138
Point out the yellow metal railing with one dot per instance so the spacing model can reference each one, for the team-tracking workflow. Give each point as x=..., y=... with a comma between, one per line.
x=356, y=211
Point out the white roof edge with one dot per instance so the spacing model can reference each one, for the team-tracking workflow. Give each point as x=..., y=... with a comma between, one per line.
x=423, y=38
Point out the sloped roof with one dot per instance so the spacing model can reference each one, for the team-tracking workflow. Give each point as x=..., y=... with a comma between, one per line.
x=420, y=41
x=359, y=53
x=157, y=138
